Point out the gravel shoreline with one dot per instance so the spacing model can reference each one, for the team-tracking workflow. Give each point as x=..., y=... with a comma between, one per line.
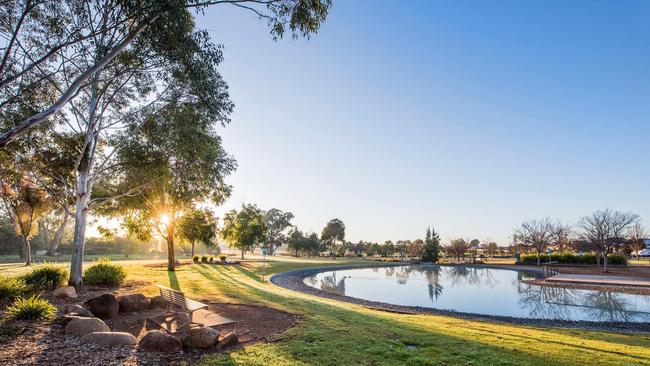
x=293, y=280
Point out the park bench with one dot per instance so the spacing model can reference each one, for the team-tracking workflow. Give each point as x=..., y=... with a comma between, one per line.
x=177, y=299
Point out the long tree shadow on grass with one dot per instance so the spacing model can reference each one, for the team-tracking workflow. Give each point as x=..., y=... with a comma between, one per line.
x=329, y=327
x=173, y=280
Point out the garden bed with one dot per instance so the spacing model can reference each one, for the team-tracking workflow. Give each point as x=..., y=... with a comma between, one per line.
x=45, y=342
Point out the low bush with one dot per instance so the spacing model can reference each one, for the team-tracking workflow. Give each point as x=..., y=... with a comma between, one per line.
x=46, y=277
x=12, y=287
x=222, y=258
x=33, y=308
x=570, y=258
x=104, y=273
x=204, y=259
x=211, y=260
x=196, y=259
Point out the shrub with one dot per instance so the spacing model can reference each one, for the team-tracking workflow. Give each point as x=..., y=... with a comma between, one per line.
x=12, y=287
x=222, y=258
x=46, y=277
x=103, y=272
x=196, y=259
x=569, y=258
x=204, y=259
x=33, y=308
x=211, y=260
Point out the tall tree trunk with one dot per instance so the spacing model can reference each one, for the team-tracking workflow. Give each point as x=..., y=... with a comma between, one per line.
x=84, y=189
x=170, y=253
x=58, y=236
x=28, y=251
x=242, y=254
x=192, y=250
x=605, y=262
x=79, y=238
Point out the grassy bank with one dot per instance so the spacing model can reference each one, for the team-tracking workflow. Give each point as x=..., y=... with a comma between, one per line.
x=331, y=332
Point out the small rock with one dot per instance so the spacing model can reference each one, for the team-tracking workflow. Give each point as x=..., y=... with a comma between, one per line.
x=228, y=340
x=109, y=338
x=78, y=310
x=81, y=326
x=201, y=338
x=104, y=306
x=132, y=303
x=65, y=292
x=158, y=302
x=68, y=317
x=159, y=341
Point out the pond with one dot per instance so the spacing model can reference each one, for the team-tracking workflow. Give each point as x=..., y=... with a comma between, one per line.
x=489, y=291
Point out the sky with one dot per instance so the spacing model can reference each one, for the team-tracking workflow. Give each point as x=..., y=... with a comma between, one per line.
x=470, y=116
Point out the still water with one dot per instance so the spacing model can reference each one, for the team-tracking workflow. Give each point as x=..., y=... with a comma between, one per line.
x=481, y=291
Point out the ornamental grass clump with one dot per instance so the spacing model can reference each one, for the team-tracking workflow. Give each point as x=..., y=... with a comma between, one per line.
x=12, y=287
x=32, y=308
x=46, y=277
x=104, y=273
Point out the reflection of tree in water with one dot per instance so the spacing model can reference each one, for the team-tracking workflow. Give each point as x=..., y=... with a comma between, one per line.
x=546, y=302
x=460, y=275
x=559, y=303
x=402, y=275
x=434, y=286
x=390, y=271
x=608, y=306
x=330, y=284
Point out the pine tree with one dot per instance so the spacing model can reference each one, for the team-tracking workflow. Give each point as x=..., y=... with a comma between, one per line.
x=431, y=246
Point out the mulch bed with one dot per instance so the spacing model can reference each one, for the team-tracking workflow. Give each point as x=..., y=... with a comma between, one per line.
x=46, y=344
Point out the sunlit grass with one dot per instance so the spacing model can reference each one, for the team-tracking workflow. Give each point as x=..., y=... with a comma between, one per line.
x=331, y=332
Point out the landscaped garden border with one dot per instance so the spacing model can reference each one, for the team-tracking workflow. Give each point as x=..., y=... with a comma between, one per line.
x=293, y=280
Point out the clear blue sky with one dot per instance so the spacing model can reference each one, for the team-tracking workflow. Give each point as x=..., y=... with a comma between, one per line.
x=468, y=115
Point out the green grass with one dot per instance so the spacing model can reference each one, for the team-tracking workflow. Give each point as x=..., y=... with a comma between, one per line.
x=335, y=333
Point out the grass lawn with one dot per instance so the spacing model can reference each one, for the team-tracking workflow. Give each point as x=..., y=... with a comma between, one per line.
x=335, y=333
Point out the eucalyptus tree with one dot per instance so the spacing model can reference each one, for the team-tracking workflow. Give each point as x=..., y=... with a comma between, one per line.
x=605, y=229
x=277, y=223
x=177, y=159
x=199, y=226
x=25, y=203
x=332, y=233
x=244, y=229
x=107, y=62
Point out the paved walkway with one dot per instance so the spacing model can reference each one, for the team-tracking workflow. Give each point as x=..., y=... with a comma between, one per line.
x=601, y=280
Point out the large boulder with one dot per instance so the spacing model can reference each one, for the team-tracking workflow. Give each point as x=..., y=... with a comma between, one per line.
x=109, y=339
x=78, y=310
x=159, y=341
x=201, y=338
x=104, y=306
x=158, y=302
x=133, y=303
x=67, y=292
x=80, y=326
x=227, y=340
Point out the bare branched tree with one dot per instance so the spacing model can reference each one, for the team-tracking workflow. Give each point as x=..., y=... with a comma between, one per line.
x=535, y=235
x=605, y=230
x=637, y=234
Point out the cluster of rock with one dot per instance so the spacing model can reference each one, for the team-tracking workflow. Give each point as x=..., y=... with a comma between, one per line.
x=86, y=322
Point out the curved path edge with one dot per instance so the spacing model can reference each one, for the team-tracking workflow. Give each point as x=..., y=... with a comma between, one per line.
x=293, y=280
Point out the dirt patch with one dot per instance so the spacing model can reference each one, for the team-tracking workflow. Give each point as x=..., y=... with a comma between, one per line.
x=46, y=344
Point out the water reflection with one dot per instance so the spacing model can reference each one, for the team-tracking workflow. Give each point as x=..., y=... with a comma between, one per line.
x=483, y=291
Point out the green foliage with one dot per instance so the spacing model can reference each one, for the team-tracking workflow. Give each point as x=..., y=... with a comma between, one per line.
x=222, y=258
x=32, y=308
x=204, y=259
x=244, y=229
x=277, y=223
x=298, y=242
x=104, y=273
x=12, y=287
x=196, y=259
x=569, y=258
x=46, y=277
x=431, y=248
x=199, y=226
x=332, y=232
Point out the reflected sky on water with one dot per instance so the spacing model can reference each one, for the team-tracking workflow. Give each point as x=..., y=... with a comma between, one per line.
x=481, y=291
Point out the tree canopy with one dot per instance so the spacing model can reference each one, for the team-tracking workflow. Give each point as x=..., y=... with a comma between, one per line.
x=244, y=229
